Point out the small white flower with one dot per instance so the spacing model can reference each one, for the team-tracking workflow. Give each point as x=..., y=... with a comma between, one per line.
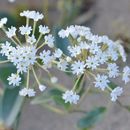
x=101, y=82
x=126, y=74
x=23, y=92
x=31, y=39
x=54, y=79
x=58, y=53
x=62, y=33
x=71, y=30
x=3, y=21
x=36, y=16
x=6, y=48
x=25, y=30
x=78, y=67
x=44, y=29
x=70, y=97
x=31, y=92
x=14, y=79
x=113, y=55
x=68, y=59
x=49, y=40
x=92, y=62
x=102, y=57
x=46, y=57
x=62, y=65
x=94, y=48
x=27, y=13
x=11, y=32
x=113, y=70
x=74, y=50
x=75, y=98
x=116, y=92
x=42, y=87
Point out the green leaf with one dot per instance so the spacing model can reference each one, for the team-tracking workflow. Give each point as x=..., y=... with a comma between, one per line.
x=91, y=118
x=11, y=105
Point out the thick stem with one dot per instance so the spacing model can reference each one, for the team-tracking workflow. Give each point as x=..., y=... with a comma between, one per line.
x=2, y=62
x=27, y=83
x=27, y=22
x=34, y=27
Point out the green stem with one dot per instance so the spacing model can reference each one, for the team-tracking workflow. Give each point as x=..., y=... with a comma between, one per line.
x=27, y=21
x=34, y=73
x=40, y=36
x=18, y=40
x=49, y=74
x=76, y=83
x=2, y=62
x=41, y=46
x=14, y=41
x=91, y=73
x=4, y=30
x=34, y=27
x=27, y=83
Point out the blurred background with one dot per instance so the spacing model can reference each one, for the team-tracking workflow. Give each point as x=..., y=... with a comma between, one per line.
x=105, y=17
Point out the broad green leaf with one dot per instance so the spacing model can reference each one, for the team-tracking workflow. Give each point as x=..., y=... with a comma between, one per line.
x=11, y=105
x=91, y=118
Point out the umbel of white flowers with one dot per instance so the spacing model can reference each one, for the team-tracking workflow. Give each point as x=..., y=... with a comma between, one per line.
x=97, y=57
x=90, y=55
x=26, y=54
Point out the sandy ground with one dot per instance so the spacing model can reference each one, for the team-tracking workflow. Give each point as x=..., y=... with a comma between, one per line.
x=116, y=118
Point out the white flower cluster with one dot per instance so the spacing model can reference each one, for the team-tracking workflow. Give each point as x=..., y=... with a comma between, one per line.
x=21, y=56
x=95, y=56
x=25, y=54
x=89, y=54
